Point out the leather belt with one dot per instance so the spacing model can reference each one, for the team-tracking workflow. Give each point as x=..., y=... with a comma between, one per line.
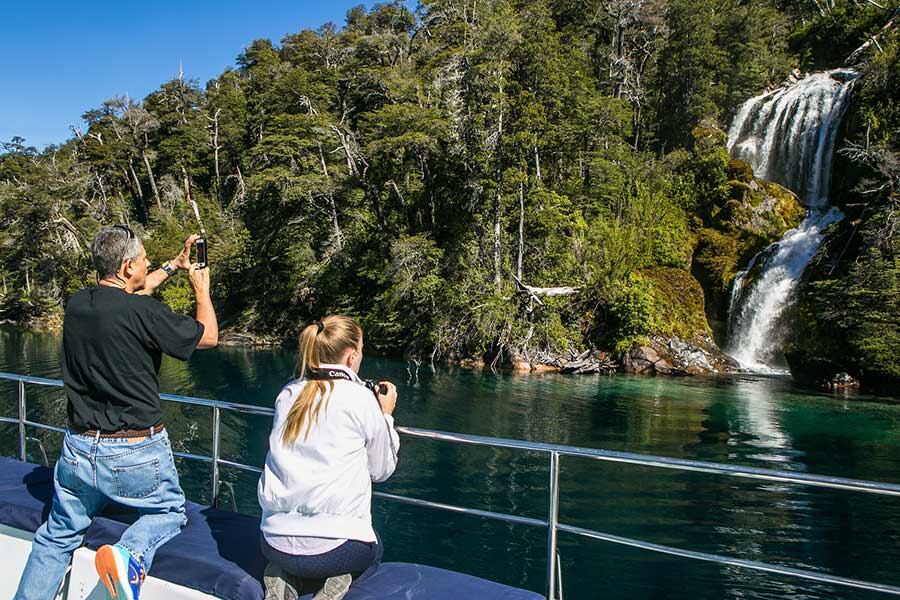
x=125, y=433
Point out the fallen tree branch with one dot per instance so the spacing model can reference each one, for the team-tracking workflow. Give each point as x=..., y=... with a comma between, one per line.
x=537, y=292
x=854, y=56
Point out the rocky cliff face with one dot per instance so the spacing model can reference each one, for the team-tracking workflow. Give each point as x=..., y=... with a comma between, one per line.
x=847, y=315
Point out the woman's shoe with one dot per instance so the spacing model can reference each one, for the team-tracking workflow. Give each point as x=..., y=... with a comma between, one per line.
x=335, y=588
x=277, y=584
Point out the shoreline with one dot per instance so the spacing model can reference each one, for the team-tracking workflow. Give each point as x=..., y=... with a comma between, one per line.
x=589, y=362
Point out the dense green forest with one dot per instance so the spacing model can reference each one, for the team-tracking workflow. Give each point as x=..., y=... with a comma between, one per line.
x=431, y=172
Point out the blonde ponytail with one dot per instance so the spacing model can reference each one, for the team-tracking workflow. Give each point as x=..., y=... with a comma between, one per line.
x=325, y=341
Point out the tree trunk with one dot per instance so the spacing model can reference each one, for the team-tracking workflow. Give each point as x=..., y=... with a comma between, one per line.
x=636, y=123
x=137, y=187
x=187, y=185
x=498, y=244
x=338, y=236
x=345, y=144
x=537, y=292
x=537, y=164
x=214, y=131
x=242, y=190
x=521, y=230
x=102, y=189
x=854, y=56
x=137, y=182
x=151, y=178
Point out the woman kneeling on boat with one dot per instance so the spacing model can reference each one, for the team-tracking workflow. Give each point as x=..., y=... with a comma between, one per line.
x=332, y=437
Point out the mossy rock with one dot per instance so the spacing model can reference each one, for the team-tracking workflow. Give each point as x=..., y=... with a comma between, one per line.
x=716, y=261
x=740, y=190
x=709, y=133
x=787, y=205
x=740, y=171
x=679, y=302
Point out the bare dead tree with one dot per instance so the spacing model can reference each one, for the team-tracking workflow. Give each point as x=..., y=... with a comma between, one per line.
x=213, y=127
x=338, y=235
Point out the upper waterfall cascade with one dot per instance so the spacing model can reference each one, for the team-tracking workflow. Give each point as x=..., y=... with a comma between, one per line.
x=786, y=136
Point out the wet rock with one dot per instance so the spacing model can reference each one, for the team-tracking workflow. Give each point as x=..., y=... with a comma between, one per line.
x=675, y=356
x=645, y=359
x=841, y=381
x=592, y=361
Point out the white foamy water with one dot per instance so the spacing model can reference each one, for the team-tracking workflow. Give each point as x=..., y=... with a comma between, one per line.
x=787, y=136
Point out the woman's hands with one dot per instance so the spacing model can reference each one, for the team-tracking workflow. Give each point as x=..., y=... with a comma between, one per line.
x=388, y=401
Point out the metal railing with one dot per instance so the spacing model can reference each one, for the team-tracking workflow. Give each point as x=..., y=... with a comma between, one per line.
x=554, y=452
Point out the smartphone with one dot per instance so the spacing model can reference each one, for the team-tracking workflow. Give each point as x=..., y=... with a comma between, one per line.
x=201, y=252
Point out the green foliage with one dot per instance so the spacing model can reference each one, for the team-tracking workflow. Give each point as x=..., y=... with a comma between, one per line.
x=826, y=40
x=632, y=310
x=848, y=311
x=661, y=300
x=717, y=54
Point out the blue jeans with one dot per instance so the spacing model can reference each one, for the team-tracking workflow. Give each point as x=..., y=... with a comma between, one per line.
x=90, y=473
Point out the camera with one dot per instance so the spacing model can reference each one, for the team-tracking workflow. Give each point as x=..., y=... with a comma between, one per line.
x=201, y=252
x=375, y=387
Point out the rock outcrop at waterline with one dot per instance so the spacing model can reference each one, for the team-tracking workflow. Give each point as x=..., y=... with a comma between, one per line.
x=675, y=356
x=670, y=336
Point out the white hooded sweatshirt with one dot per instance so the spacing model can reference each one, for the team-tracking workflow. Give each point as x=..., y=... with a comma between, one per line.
x=321, y=486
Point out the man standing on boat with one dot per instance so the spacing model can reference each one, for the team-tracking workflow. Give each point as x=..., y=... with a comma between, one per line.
x=116, y=448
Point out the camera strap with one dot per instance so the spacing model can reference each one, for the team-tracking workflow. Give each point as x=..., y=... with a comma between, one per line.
x=329, y=374
x=333, y=374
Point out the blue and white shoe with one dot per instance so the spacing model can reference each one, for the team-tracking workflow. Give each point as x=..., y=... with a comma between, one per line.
x=120, y=573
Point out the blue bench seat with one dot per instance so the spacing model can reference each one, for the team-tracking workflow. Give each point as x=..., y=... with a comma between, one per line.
x=218, y=551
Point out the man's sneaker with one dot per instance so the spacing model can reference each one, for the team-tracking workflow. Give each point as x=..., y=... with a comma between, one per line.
x=335, y=588
x=120, y=573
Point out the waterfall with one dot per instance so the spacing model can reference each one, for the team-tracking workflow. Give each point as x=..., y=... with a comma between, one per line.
x=786, y=136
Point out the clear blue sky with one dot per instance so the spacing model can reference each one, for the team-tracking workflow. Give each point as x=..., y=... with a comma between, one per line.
x=61, y=58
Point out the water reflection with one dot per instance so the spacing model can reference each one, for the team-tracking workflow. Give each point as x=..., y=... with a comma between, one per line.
x=759, y=415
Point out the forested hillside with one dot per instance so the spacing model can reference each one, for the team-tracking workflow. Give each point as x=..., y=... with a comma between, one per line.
x=433, y=172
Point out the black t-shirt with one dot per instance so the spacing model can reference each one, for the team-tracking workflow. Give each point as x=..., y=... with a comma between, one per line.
x=113, y=344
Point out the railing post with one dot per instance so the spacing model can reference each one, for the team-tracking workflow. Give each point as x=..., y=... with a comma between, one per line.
x=22, y=440
x=215, y=456
x=552, y=524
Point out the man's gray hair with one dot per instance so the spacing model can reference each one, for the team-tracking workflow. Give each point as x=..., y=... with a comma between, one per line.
x=111, y=246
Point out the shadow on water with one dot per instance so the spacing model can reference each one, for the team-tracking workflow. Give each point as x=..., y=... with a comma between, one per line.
x=749, y=420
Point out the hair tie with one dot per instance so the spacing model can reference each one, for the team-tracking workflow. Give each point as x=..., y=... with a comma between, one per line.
x=321, y=326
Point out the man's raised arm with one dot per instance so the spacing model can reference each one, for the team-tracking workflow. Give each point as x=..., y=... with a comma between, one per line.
x=206, y=314
x=182, y=261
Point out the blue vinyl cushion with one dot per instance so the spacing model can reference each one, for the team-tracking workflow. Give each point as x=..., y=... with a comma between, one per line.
x=218, y=551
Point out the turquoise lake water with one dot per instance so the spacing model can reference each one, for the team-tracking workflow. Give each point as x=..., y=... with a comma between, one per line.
x=744, y=420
